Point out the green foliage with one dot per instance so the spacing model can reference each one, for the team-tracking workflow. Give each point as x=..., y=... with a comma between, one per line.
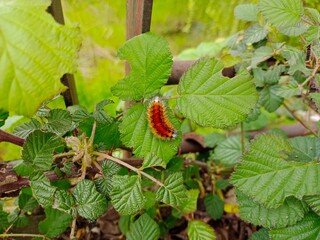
x=199, y=230
x=145, y=228
x=214, y=206
x=33, y=58
x=203, y=87
x=246, y=12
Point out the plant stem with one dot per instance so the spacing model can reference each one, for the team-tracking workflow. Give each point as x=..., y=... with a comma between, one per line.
x=4, y=235
x=170, y=97
x=116, y=160
x=242, y=139
x=65, y=154
x=7, y=137
x=299, y=120
x=73, y=228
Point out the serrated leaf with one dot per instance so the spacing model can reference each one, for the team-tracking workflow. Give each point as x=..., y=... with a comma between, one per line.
x=107, y=135
x=42, y=189
x=27, y=202
x=246, y=12
x=198, y=230
x=104, y=184
x=314, y=202
x=222, y=184
x=211, y=140
x=100, y=105
x=151, y=160
x=145, y=228
x=173, y=192
x=305, y=149
x=23, y=169
x=260, y=55
x=102, y=117
x=296, y=59
x=313, y=33
x=209, y=99
x=228, y=152
x=150, y=61
x=26, y=128
x=60, y=220
x=126, y=196
x=289, y=90
x=34, y=58
x=316, y=99
x=295, y=30
x=287, y=214
x=136, y=133
x=38, y=149
x=255, y=33
x=307, y=228
x=124, y=223
x=90, y=203
x=261, y=234
x=59, y=121
x=78, y=113
x=190, y=204
x=214, y=206
x=313, y=14
x=3, y=220
x=264, y=175
x=64, y=201
x=281, y=12
x=269, y=98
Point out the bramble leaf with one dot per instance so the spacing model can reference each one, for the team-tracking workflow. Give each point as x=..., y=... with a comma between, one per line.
x=90, y=203
x=305, y=149
x=42, y=189
x=60, y=220
x=246, y=12
x=173, y=192
x=287, y=214
x=264, y=175
x=255, y=33
x=145, y=228
x=209, y=99
x=150, y=61
x=38, y=149
x=151, y=160
x=190, y=204
x=307, y=228
x=126, y=196
x=25, y=129
x=214, y=206
x=262, y=234
x=59, y=121
x=281, y=12
x=136, y=133
x=314, y=202
x=198, y=230
x=33, y=58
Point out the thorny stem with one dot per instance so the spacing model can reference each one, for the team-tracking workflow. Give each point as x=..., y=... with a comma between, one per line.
x=299, y=120
x=5, y=235
x=116, y=160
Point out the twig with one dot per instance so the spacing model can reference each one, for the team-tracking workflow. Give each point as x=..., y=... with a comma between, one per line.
x=106, y=156
x=8, y=137
x=65, y=154
x=242, y=139
x=169, y=97
x=299, y=120
x=73, y=228
x=6, y=235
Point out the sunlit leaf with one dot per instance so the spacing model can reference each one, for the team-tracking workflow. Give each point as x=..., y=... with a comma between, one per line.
x=145, y=228
x=198, y=230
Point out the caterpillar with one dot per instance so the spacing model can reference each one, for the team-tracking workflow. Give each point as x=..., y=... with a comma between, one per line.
x=159, y=122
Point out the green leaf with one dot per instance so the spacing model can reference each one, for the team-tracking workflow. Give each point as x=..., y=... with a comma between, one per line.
x=104, y=184
x=23, y=169
x=203, y=87
x=173, y=192
x=59, y=121
x=228, y=152
x=3, y=220
x=222, y=184
x=124, y=223
x=150, y=61
x=289, y=90
x=190, y=204
x=107, y=135
x=151, y=160
x=313, y=33
x=25, y=129
x=3, y=116
x=281, y=12
x=26, y=201
x=214, y=206
x=295, y=30
x=287, y=214
x=261, y=54
x=305, y=149
x=264, y=175
x=313, y=14
x=126, y=196
x=316, y=99
x=33, y=58
x=100, y=105
x=296, y=59
x=136, y=133
x=262, y=234
x=307, y=228
x=78, y=113
x=55, y=223
x=150, y=199
x=246, y=12
x=211, y=140
x=269, y=98
x=90, y=203
x=38, y=149
x=65, y=202
x=255, y=33
x=145, y=228
x=198, y=230
x=314, y=202
x=42, y=189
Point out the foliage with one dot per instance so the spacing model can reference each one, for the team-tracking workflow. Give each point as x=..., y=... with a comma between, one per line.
x=275, y=178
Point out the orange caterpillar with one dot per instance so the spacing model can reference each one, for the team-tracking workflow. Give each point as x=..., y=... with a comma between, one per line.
x=159, y=122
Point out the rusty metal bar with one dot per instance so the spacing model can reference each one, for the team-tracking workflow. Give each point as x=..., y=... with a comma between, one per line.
x=70, y=95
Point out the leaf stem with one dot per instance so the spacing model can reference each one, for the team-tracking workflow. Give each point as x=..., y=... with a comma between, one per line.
x=4, y=235
x=299, y=120
x=170, y=97
x=65, y=154
x=73, y=228
x=116, y=160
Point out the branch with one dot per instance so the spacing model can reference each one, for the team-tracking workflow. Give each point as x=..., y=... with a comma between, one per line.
x=8, y=137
